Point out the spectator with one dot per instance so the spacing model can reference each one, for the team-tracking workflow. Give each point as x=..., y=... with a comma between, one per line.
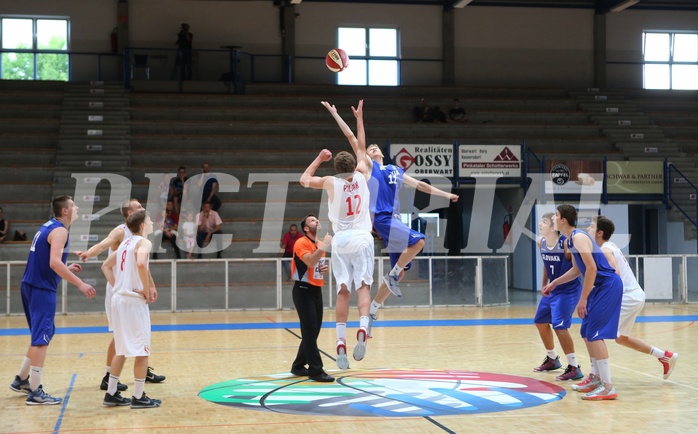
x=184, y=51
x=164, y=190
x=208, y=224
x=287, y=242
x=424, y=113
x=457, y=113
x=4, y=227
x=166, y=225
x=189, y=231
x=177, y=188
x=210, y=186
x=5, y=230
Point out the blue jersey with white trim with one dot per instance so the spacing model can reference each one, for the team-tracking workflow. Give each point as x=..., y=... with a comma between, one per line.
x=603, y=268
x=38, y=272
x=556, y=265
x=384, y=185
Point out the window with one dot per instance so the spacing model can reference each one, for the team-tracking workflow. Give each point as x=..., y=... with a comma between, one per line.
x=373, y=56
x=24, y=39
x=670, y=60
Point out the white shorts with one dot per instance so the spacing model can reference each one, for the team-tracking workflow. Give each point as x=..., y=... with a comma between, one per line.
x=352, y=258
x=130, y=318
x=107, y=305
x=630, y=308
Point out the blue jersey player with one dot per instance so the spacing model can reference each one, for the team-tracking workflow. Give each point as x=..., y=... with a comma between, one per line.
x=599, y=304
x=46, y=267
x=556, y=309
x=385, y=182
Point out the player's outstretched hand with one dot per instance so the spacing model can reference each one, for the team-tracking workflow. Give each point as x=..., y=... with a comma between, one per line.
x=358, y=112
x=331, y=108
x=75, y=268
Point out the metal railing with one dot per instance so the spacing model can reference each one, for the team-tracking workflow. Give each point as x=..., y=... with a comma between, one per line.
x=242, y=284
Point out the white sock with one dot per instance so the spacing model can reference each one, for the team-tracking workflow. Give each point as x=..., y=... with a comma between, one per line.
x=552, y=354
x=395, y=272
x=341, y=331
x=113, y=383
x=138, y=387
x=363, y=322
x=572, y=359
x=592, y=367
x=656, y=352
x=24, y=369
x=374, y=307
x=35, y=377
x=604, y=370
x=108, y=370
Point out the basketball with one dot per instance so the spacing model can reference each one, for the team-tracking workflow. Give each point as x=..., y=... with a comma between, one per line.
x=337, y=60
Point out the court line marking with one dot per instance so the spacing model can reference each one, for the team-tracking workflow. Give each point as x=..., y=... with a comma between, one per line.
x=329, y=324
x=57, y=427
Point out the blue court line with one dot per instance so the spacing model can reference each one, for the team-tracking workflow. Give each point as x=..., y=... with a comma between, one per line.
x=379, y=323
x=57, y=428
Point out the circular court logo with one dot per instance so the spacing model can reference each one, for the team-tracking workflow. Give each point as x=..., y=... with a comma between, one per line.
x=386, y=393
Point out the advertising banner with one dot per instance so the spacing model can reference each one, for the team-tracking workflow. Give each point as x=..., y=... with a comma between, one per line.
x=424, y=159
x=574, y=176
x=489, y=160
x=635, y=177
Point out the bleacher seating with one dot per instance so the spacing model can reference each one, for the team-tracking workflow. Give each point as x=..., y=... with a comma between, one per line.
x=29, y=121
x=278, y=129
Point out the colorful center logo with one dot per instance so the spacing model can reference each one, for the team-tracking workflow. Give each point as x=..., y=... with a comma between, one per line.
x=386, y=393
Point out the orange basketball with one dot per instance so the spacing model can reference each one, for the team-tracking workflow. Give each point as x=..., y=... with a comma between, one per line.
x=337, y=60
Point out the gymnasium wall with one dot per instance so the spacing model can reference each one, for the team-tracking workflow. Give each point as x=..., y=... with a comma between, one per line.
x=494, y=46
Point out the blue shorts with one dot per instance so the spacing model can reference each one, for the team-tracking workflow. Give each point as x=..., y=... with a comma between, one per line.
x=557, y=309
x=396, y=235
x=40, y=310
x=603, y=311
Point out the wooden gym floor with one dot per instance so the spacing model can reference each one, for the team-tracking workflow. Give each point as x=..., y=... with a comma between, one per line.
x=196, y=350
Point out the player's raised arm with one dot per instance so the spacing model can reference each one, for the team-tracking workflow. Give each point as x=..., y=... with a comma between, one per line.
x=308, y=179
x=363, y=163
x=348, y=133
x=428, y=188
x=112, y=240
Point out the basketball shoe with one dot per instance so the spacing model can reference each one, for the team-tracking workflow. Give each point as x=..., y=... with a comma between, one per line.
x=601, y=394
x=590, y=383
x=115, y=400
x=360, y=348
x=393, y=284
x=549, y=364
x=571, y=373
x=144, y=402
x=371, y=317
x=668, y=362
x=152, y=377
x=20, y=386
x=342, y=360
x=105, y=384
x=39, y=397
